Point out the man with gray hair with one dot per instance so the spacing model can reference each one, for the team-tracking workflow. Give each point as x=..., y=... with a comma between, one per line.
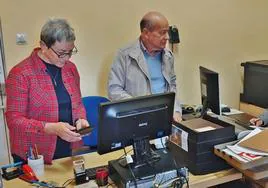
x=146, y=66
x=44, y=97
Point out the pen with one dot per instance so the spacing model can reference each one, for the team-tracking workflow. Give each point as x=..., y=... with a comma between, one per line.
x=36, y=151
x=31, y=153
x=27, y=154
x=12, y=165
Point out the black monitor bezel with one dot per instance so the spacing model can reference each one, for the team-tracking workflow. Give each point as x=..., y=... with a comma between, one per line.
x=212, y=100
x=142, y=101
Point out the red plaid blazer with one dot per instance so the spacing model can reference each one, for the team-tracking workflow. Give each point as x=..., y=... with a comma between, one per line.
x=32, y=101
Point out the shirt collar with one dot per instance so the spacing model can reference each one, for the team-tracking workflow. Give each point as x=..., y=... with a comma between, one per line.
x=143, y=48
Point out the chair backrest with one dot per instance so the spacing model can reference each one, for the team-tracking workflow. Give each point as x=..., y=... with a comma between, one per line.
x=91, y=104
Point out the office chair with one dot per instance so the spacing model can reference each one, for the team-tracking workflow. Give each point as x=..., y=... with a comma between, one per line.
x=91, y=104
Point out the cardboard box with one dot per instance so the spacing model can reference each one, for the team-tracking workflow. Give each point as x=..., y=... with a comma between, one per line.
x=257, y=142
x=192, y=143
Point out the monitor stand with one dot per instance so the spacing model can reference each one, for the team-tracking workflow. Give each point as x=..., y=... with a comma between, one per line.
x=146, y=174
x=143, y=154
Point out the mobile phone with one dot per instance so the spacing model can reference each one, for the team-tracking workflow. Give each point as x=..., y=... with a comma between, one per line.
x=84, y=131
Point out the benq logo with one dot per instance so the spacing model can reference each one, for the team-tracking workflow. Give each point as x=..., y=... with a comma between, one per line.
x=143, y=124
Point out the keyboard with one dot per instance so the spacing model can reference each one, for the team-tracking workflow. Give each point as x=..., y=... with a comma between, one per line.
x=245, y=124
x=242, y=119
x=91, y=172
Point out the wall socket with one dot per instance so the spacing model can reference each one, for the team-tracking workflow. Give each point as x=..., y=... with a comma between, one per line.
x=21, y=39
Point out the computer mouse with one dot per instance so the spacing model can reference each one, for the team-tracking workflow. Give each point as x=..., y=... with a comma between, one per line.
x=225, y=109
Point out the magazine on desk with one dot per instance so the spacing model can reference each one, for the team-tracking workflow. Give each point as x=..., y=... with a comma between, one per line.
x=246, y=154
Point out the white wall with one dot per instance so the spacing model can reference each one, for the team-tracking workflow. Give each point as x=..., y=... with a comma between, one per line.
x=4, y=143
x=216, y=34
x=4, y=151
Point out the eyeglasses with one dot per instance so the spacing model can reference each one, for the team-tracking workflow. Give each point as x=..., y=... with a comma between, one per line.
x=63, y=55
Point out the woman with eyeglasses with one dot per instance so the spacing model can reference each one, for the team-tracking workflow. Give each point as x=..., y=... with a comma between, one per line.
x=44, y=106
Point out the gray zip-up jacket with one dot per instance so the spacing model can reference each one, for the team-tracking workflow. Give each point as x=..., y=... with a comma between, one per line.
x=129, y=75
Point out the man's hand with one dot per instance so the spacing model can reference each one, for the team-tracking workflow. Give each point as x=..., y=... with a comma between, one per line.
x=256, y=121
x=81, y=123
x=63, y=130
x=177, y=117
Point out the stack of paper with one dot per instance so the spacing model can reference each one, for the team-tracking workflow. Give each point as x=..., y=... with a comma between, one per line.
x=251, y=147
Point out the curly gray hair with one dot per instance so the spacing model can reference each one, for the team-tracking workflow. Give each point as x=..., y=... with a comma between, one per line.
x=56, y=30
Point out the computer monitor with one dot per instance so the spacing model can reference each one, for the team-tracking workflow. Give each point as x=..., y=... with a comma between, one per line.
x=209, y=81
x=134, y=122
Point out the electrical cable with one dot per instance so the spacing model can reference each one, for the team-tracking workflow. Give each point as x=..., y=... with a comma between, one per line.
x=67, y=182
x=163, y=145
x=130, y=169
x=110, y=184
x=176, y=165
x=170, y=181
x=187, y=182
x=181, y=175
x=124, y=154
x=152, y=165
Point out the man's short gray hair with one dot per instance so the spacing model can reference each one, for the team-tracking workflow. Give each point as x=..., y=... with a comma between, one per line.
x=146, y=23
x=56, y=30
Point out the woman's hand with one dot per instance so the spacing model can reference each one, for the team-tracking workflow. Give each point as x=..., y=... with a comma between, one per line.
x=256, y=121
x=63, y=130
x=81, y=123
x=177, y=117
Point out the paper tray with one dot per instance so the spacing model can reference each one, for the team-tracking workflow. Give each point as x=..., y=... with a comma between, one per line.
x=256, y=169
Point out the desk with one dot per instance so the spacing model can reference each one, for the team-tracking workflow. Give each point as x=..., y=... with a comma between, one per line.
x=255, y=111
x=62, y=170
x=250, y=109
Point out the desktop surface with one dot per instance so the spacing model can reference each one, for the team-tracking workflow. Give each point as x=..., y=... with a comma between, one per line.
x=62, y=169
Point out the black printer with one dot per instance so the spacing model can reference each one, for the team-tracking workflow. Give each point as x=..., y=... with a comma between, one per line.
x=192, y=143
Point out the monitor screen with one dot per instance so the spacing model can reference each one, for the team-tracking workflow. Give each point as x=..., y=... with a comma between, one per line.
x=134, y=121
x=209, y=83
